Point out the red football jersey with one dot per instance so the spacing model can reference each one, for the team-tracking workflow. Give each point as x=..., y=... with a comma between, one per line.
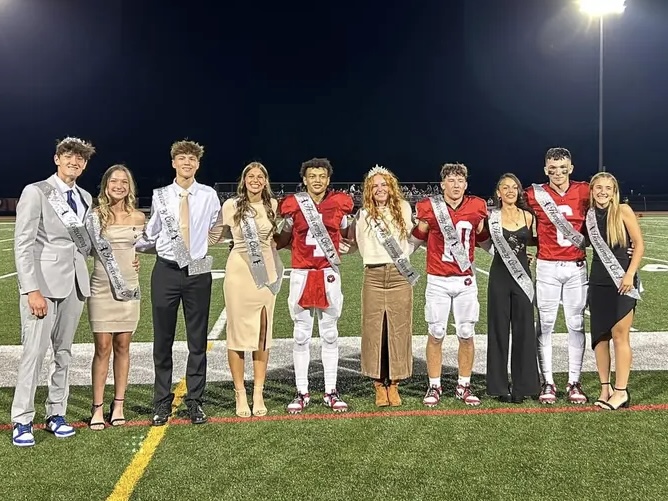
x=306, y=254
x=466, y=219
x=552, y=245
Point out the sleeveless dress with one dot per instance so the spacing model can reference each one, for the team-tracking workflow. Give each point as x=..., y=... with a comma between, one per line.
x=105, y=313
x=508, y=307
x=243, y=300
x=606, y=305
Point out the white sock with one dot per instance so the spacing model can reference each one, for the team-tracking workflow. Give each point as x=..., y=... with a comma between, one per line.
x=330, y=364
x=549, y=378
x=301, y=355
x=461, y=380
x=576, y=349
x=435, y=381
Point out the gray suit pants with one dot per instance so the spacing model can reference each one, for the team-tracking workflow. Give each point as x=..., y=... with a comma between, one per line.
x=57, y=330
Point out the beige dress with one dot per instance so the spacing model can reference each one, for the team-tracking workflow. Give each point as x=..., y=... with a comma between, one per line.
x=387, y=302
x=243, y=300
x=105, y=313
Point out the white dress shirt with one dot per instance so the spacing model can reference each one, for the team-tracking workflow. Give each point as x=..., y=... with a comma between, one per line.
x=63, y=188
x=203, y=207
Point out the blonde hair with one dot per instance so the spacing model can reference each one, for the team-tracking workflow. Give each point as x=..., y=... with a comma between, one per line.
x=394, y=199
x=243, y=202
x=616, y=230
x=104, y=204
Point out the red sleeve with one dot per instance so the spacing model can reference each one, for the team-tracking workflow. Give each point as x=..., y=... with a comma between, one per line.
x=345, y=202
x=423, y=209
x=530, y=198
x=288, y=206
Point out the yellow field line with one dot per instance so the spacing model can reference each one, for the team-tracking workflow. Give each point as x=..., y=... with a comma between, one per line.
x=135, y=470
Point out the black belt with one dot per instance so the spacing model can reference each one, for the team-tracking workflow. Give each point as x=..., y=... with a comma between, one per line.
x=376, y=265
x=169, y=263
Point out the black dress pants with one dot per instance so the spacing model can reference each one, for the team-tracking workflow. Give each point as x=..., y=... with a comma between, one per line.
x=171, y=286
x=508, y=307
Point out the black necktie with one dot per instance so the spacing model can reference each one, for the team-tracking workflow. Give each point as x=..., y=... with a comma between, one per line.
x=70, y=200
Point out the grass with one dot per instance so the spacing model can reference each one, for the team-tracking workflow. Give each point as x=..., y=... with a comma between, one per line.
x=393, y=454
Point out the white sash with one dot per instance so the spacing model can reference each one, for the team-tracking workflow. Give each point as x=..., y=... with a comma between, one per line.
x=391, y=246
x=507, y=254
x=317, y=227
x=70, y=220
x=181, y=253
x=105, y=253
x=256, y=258
x=606, y=256
x=557, y=218
x=450, y=235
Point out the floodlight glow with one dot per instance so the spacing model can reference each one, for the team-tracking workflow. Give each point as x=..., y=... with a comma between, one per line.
x=599, y=8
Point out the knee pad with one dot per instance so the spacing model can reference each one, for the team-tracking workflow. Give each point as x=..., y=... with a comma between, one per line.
x=465, y=330
x=437, y=330
x=329, y=332
x=302, y=333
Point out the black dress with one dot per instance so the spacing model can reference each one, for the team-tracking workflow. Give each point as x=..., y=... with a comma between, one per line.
x=509, y=307
x=606, y=305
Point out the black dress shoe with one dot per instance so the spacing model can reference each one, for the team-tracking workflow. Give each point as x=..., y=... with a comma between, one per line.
x=504, y=398
x=162, y=414
x=197, y=415
x=517, y=399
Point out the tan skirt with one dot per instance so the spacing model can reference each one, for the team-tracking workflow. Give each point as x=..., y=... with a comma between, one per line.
x=386, y=293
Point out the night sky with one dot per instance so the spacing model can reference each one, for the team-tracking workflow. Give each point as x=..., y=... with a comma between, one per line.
x=409, y=85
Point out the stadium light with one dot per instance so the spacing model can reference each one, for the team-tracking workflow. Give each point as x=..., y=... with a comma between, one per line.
x=600, y=9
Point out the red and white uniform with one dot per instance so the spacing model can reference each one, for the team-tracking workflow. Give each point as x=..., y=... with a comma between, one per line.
x=561, y=276
x=448, y=287
x=315, y=288
x=552, y=245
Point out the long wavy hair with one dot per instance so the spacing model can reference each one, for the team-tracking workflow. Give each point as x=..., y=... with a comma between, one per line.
x=615, y=224
x=243, y=202
x=521, y=197
x=394, y=199
x=104, y=203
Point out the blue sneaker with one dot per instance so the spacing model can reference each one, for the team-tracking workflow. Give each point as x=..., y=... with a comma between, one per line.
x=59, y=427
x=22, y=435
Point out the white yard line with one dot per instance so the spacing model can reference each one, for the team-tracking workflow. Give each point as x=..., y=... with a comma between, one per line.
x=655, y=259
x=219, y=326
x=6, y=240
x=7, y=276
x=656, y=236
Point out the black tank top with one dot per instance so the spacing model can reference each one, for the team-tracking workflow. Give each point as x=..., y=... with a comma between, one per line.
x=517, y=240
x=599, y=275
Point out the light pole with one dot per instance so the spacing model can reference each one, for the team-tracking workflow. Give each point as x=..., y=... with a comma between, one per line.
x=600, y=9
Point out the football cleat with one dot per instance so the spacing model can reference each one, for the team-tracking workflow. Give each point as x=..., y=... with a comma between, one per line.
x=463, y=392
x=548, y=394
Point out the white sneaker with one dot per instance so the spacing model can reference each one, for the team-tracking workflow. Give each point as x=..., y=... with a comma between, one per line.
x=299, y=403
x=334, y=401
x=59, y=427
x=22, y=435
x=548, y=394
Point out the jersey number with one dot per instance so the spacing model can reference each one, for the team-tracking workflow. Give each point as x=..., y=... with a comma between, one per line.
x=561, y=239
x=464, y=229
x=310, y=240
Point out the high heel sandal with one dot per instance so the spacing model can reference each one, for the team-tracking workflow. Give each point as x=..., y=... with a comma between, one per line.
x=97, y=425
x=259, y=409
x=600, y=403
x=243, y=410
x=623, y=405
x=119, y=421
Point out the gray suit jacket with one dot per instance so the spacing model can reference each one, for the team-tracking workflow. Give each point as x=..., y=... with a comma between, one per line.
x=47, y=259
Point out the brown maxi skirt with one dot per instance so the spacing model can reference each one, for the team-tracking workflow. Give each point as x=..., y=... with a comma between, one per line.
x=386, y=293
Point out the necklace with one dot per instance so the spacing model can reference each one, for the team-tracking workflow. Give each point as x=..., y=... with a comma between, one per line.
x=515, y=222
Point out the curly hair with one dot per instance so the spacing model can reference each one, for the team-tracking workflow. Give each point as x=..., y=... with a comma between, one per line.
x=316, y=163
x=186, y=147
x=243, y=204
x=394, y=199
x=76, y=146
x=104, y=204
x=521, y=196
x=456, y=169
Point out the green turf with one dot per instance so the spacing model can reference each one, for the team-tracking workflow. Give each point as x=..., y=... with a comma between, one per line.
x=593, y=455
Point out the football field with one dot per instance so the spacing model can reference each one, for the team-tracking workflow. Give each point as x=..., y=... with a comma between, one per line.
x=497, y=451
